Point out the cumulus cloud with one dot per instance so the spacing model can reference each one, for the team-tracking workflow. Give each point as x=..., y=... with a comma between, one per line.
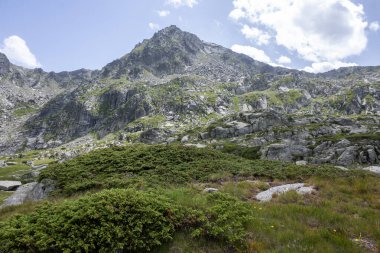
x=179, y=3
x=163, y=13
x=252, y=52
x=18, y=52
x=284, y=60
x=319, y=31
x=154, y=26
x=253, y=33
x=374, y=26
x=319, y=67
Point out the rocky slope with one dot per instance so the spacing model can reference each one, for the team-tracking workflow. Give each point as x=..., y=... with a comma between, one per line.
x=176, y=87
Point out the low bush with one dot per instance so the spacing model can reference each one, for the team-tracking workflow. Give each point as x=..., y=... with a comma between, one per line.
x=109, y=221
x=226, y=220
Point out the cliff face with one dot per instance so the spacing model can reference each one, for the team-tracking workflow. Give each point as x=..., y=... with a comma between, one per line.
x=175, y=84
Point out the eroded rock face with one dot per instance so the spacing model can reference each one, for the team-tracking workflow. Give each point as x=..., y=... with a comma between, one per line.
x=4, y=64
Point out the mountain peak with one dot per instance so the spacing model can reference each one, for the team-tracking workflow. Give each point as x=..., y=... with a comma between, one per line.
x=170, y=29
x=169, y=51
x=4, y=64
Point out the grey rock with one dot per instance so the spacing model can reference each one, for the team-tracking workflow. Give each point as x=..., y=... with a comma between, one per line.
x=20, y=195
x=343, y=143
x=221, y=132
x=372, y=157
x=9, y=185
x=2, y=164
x=286, y=152
x=210, y=190
x=28, y=192
x=305, y=190
x=40, y=167
x=301, y=162
x=323, y=146
x=279, y=152
x=152, y=136
x=204, y=135
x=4, y=64
x=348, y=157
x=11, y=163
x=185, y=139
x=268, y=194
x=171, y=140
x=374, y=169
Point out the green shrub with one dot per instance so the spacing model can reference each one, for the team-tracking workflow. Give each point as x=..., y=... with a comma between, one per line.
x=226, y=220
x=252, y=153
x=103, y=222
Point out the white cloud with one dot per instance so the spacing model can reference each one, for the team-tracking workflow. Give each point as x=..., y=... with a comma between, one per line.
x=374, y=26
x=18, y=52
x=154, y=26
x=163, y=13
x=284, y=60
x=319, y=31
x=179, y=3
x=319, y=67
x=252, y=52
x=253, y=33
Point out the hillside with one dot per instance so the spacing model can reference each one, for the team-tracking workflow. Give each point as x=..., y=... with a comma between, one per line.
x=186, y=146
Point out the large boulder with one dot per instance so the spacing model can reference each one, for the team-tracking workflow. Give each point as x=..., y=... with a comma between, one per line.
x=28, y=192
x=286, y=152
x=9, y=185
x=349, y=156
x=278, y=151
x=152, y=136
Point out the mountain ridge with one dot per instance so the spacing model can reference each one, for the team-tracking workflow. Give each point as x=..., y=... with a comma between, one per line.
x=171, y=85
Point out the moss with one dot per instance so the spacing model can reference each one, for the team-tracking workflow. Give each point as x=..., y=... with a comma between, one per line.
x=24, y=111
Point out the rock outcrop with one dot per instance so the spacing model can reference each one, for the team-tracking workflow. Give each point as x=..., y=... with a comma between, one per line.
x=268, y=194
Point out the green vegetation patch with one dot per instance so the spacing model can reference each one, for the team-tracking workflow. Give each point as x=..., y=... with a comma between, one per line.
x=252, y=153
x=145, y=166
x=351, y=137
x=24, y=111
x=8, y=173
x=108, y=221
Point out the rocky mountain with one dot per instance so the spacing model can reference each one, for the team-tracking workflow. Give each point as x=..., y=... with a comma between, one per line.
x=175, y=87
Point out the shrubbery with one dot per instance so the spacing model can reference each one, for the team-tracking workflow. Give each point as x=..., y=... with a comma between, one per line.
x=142, y=166
x=103, y=222
x=121, y=220
x=225, y=219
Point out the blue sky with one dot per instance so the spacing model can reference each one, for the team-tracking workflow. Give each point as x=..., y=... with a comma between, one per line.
x=314, y=35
